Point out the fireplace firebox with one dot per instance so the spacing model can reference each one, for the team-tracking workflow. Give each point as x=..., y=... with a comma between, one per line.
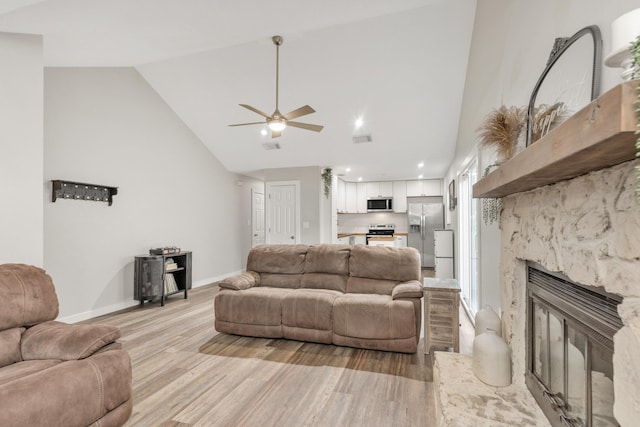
x=570, y=330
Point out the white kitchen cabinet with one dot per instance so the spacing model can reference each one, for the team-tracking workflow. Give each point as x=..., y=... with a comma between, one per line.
x=424, y=187
x=360, y=240
x=401, y=241
x=386, y=189
x=379, y=189
x=399, y=196
x=361, y=194
x=343, y=240
x=351, y=197
x=342, y=201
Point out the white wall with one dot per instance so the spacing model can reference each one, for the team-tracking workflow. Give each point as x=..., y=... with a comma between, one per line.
x=21, y=217
x=107, y=126
x=312, y=209
x=510, y=46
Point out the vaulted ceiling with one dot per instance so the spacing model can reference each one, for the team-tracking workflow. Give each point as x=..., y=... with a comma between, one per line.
x=398, y=65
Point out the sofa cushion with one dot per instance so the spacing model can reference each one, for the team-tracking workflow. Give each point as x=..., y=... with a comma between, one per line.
x=335, y=282
x=373, y=317
x=24, y=369
x=27, y=294
x=10, y=346
x=378, y=262
x=56, y=340
x=309, y=308
x=290, y=281
x=328, y=258
x=362, y=285
x=72, y=393
x=279, y=259
x=254, y=306
x=241, y=281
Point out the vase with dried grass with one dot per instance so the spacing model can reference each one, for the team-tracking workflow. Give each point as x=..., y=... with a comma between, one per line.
x=500, y=130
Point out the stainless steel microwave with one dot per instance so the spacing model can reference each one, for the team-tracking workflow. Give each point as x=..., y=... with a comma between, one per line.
x=380, y=204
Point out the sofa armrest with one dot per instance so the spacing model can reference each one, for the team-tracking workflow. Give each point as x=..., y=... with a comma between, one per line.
x=241, y=281
x=56, y=340
x=411, y=289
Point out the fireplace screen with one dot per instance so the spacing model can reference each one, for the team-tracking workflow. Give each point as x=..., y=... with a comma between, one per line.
x=570, y=349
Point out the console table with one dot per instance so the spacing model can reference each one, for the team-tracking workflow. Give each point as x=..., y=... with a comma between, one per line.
x=156, y=276
x=441, y=314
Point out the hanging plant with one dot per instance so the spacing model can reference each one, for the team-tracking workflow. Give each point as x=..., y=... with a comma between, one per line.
x=327, y=179
x=491, y=207
x=635, y=55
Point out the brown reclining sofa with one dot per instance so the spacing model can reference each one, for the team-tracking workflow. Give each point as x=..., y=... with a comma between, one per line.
x=52, y=373
x=358, y=296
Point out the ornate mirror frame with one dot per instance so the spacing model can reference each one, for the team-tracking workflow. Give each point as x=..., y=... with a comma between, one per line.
x=560, y=46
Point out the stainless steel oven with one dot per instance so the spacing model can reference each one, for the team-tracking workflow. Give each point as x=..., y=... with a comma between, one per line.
x=381, y=235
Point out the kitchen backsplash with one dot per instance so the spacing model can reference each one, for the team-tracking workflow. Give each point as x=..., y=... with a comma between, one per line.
x=359, y=223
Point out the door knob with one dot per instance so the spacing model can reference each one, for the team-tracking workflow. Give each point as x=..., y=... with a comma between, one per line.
x=293, y=237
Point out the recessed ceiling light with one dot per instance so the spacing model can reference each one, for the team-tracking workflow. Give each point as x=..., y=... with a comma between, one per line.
x=263, y=132
x=359, y=122
x=420, y=176
x=421, y=164
x=359, y=178
x=348, y=169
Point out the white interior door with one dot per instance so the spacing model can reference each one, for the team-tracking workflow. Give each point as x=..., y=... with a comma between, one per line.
x=283, y=213
x=257, y=217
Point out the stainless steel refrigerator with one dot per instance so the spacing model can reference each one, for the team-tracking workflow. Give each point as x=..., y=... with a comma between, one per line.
x=425, y=215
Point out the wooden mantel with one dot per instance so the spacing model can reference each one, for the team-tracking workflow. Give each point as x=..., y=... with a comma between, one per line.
x=598, y=136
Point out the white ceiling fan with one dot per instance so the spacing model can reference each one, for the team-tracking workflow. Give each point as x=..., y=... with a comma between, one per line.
x=277, y=121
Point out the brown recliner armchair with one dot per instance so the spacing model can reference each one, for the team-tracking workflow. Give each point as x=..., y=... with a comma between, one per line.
x=52, y=373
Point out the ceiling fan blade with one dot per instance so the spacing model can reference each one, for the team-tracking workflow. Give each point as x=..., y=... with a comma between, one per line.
x=275, y=133
x=246, y=124
x=255, y=110
x=307, y=126
x=302, y=111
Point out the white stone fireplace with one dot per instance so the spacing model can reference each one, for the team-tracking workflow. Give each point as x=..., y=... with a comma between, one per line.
x=588, y=229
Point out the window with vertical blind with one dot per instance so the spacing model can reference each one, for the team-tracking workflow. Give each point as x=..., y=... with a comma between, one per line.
x=469, y=237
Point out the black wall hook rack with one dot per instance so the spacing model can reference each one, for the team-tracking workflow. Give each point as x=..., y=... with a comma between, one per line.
x=82, y=191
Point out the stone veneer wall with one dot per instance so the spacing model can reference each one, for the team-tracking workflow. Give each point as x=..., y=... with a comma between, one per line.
x=589, y=229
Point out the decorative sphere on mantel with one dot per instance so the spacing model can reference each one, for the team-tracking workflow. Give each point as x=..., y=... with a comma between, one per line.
x=486, y=319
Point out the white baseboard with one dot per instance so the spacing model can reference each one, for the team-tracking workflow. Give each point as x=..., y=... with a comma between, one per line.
x=74, y=318
x=214, y=279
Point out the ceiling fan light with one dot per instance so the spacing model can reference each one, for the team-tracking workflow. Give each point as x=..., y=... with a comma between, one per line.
x=277, y=125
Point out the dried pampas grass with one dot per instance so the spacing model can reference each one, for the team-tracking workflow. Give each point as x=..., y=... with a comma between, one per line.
x=501, y=128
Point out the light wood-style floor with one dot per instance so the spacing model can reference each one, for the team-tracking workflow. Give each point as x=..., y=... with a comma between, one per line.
x=187, y=374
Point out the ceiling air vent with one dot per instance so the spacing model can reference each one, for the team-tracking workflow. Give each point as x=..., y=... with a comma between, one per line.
x=361, y=138
x=271, y=146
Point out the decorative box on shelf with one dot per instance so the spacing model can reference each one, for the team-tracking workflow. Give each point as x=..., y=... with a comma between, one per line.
x=167, y=250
